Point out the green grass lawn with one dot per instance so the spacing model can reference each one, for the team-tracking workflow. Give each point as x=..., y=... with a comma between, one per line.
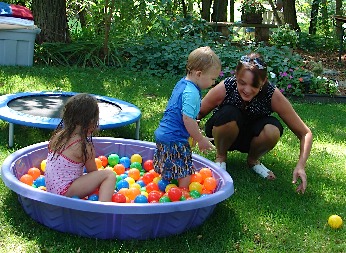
x=261, y=216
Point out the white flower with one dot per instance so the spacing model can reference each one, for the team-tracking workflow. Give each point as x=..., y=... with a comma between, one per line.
x=272, y=75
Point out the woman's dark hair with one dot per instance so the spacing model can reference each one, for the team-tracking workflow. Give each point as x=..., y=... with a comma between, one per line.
x=254, y=63
x=80, y=110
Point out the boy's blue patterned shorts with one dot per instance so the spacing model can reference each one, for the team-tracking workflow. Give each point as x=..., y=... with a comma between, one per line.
x=173, y=160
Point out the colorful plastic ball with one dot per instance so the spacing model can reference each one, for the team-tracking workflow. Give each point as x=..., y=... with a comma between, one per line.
x=43, y=165
x=169, y=186
x=122, y=184
x=130, y=180
x=136, y=158
x=185, y=194
x=140, y=182
x=40, y=181
x=141, y=199
x=205, y=191
x=335, y=221
x=152, y=187
x=194, y=194
x=42, y=188
x=174, y=194
x=197, y=177
x=135, y=185
x=163, y=184
x=145, y=193
x=195, y=186
x=147, y=178
x=123, y=191
x=98, y=163
x=136, y=165
x=125, y=161
x=154, y=173
x=75, y=197
x=154, y=196
x=205, y=172
x=148, y=165
x=174, y=181
x=113, y=159
x=134, y=173
x=118, y=198
x=119, y=169
x=109, y=168
x=93, y=197
x=164, y=199
x=104, y=160
x=123, y=176
x=132, y=193
x=34, y=172
x=157, y=179
x=182, y=198
x=210, y=183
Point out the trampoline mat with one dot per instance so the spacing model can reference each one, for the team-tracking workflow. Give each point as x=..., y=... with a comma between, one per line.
x=51, y=106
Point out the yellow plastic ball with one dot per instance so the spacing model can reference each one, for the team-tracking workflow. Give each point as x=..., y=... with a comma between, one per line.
x=136, y=158
x=157, y=179
x=43, y=165
x=135, y=185
x=130, y=180
x=144, y=193
x=335, y=221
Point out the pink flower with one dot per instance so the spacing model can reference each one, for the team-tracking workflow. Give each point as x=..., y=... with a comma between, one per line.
x=221, y=73
x=289, y=86
x=282, y=90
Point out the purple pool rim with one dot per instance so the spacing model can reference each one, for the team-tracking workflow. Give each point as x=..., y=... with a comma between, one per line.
x=111, y=220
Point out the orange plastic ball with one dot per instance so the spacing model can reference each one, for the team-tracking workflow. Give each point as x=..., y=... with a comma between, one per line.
x=98, y=163
x=210, y=183
x=27, y=179
x=123, y=191
x=195, y=186
x=132, y=193
x=152, y=187
x=34, y=172
x=197, y=177
x=104, y=160
x=119, y=169
x=134, y=173
x=205, y=172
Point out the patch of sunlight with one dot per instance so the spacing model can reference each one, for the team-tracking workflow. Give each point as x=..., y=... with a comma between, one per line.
x=334, y=149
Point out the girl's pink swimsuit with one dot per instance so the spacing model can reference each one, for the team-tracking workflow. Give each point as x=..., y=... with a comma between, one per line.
x=61, y=171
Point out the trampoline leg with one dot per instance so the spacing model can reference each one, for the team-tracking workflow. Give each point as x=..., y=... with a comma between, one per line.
x=10, y=135
x=137, y=129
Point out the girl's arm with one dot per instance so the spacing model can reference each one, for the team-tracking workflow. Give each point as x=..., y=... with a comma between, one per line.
x=286, y=112
x=90, y=164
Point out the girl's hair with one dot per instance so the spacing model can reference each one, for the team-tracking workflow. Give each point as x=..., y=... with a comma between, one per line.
x=202, y=59
x=80, y=110
x=254, y=63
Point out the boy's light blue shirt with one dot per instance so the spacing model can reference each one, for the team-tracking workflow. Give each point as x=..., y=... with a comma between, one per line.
x=185, y=99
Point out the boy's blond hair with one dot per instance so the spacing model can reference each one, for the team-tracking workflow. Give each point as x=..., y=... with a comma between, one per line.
x=202, y=59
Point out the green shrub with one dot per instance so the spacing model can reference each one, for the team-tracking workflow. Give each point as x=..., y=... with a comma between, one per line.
x=284, y=36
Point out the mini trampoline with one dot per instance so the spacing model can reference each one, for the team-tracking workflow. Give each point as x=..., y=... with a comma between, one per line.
x=42, y=110
x=108, y=220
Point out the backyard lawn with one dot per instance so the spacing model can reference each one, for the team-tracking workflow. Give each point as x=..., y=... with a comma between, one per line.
x=261, y=216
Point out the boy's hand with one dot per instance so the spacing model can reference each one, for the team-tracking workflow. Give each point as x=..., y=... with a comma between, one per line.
x=205, y=145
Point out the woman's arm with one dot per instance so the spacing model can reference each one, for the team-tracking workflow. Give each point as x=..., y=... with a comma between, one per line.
x=212, y=99
x=284, y=109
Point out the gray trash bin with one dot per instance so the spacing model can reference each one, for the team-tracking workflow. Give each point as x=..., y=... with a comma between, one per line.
x=17, y=46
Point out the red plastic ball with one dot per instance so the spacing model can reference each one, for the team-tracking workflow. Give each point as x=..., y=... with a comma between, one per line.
x=154, y=196
x=152, y=187
x=104, y=160
x=148, y=177
x=118, y=198
x=148, y=165
x=174, y=194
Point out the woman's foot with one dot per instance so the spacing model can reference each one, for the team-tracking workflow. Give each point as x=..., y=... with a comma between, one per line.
x=262, y=170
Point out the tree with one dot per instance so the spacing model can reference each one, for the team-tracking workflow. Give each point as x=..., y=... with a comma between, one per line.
x=219, y=10
x=313, y=17
x=50, y=17
x=338, y=11
x=290, y=14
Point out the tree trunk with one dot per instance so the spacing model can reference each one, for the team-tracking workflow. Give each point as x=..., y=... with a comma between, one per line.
x=184, y=8
x=338, y=11
x=206, y=4
x=275, y=12
x=313, y=16
x=290, y=14
x=50, y=17
x=231, y=10
x=219, y=11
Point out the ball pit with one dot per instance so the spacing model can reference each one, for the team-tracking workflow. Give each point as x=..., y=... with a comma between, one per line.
x=108, y=220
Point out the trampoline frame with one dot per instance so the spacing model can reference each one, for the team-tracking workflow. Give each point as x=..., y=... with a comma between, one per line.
x=17, y=117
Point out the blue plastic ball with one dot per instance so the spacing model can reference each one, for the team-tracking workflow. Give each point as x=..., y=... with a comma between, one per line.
x=141, y=199
x=75, y=197
x=93, y=197
x=122, y=184
x=40, y=181
x=125, y=161
x=140, y=182
x=162, y=184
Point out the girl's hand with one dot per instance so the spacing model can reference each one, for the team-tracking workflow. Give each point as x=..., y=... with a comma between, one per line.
x=299, y=172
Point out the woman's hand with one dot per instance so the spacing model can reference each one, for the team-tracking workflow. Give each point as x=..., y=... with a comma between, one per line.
x=299, y=172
